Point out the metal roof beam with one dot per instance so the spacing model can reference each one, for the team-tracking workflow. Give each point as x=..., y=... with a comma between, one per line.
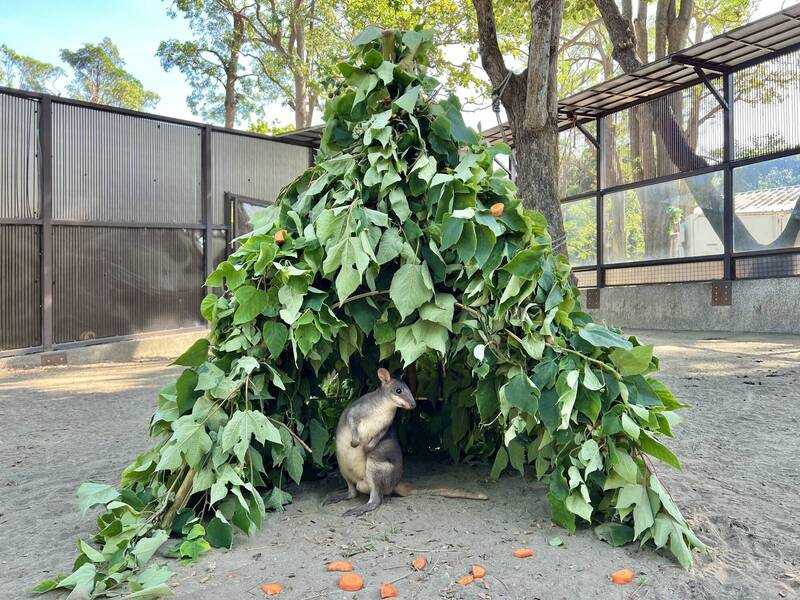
x=707, y=82
x=690, y=61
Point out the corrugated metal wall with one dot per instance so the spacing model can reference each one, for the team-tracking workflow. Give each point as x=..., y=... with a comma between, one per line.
x=119, y=182
x=120, y=168
x=112, y=281
x=251, y=167
x=20, y=300
x=19, y=161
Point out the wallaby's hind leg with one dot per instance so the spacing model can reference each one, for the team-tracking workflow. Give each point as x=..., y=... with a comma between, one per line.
x=347, y=494
x=381, y=480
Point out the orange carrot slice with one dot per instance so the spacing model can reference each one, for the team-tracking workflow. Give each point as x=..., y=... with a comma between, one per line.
x=465, y=580
x=272, y=589
x=388, y=591
x=478, y=571
x=622, y=576
x=350, y=582
x=340, y=565
x=280, y=236
x=419, y=563
x=523, y=553
x=497, y=209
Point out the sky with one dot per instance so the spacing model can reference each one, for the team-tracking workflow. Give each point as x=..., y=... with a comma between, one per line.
x=41, y=28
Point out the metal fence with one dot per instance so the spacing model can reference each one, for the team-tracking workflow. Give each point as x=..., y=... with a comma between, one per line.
x=698, y=183
x=110, y=219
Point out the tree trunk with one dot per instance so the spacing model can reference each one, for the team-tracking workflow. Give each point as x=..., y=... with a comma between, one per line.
x=232, y=71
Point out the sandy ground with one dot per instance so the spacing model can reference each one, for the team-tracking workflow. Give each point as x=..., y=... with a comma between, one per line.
x=739, y=488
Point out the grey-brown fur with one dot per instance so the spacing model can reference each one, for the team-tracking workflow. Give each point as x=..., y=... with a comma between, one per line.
x=368, y=451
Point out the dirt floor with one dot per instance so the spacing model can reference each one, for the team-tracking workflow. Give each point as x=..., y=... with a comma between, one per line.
x=739, y=489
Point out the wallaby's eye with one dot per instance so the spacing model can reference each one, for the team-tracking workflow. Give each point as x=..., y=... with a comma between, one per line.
x=398, y=391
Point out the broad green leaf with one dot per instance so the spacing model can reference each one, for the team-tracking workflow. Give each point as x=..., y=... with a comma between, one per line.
x=516, y=456
x=251, y=303
x=519, y=392
x=91, y=553
x=411, y=288
x=219, y=533
x=409, y=99
x=526, y=263
x=319, y=440
x=500, y=463
x=294, y=463
x=575, y=503
x=151, y=593
x=440, y=310
x=245, y=424
x=615, y=534
x=486, y=400
x=275, y=335
x=93, y=494
x=632, y=362
x=451, y=231
x=196, y=355
x=146, y=547
x=603, y=337
x=630, y=427
x=658, y=450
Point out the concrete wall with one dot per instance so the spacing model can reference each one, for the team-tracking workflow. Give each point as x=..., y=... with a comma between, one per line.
x=757, y=305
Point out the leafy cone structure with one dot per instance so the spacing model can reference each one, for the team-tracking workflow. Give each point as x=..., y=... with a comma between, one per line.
x=387, y=252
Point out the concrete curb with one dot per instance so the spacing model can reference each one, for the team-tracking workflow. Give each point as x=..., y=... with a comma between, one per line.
x=168, y=345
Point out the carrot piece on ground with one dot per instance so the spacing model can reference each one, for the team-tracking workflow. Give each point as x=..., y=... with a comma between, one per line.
x=388, y=591
x=523, y=553
x=419, y=563
x=497, y=209
x=465, y=580
x=622, y=576
x=350, y=582
x=340, y=565
x=272, y=589
x=478, y=571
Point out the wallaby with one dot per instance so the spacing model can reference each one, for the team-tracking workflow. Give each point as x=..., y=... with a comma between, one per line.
x=368, y=451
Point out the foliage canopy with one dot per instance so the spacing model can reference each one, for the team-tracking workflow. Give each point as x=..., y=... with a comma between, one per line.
x=394, y=253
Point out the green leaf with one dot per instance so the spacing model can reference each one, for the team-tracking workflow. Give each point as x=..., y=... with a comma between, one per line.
x=624, y=465
x=93, y=494
x=390, y=246
x=500, y=463
x=526, y=264
x=575, y=503
x=80, y=581
x=91, y=553
x=409, y=99
x=369, y=34
x=519, y=393
x=319, y=440
x=151, y=593
x=411, y=288
x=294, y=463
x=516, y=456
x=440, y=310
x=451, y=231
x=486, y=400
x=347, y=281
x=146, y=547
x=602, y=337
x=45, y=586
x=630, y=427
x=399, y=203
x=207, y=306
x=615, y=534
x=196, y=355
x=556, y=541
x=251, y=303
x=245, y=424
x=632, y=362
x=657, y=450
x=219, y=533
x=275, y=335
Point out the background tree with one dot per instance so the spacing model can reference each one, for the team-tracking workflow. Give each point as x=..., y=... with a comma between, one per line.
x=671, y=27
x=224, y=88
x=27, y=73
x=530, y=99
x=100, y=76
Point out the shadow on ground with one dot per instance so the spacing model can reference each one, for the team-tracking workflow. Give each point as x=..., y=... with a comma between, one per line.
x=739, y=489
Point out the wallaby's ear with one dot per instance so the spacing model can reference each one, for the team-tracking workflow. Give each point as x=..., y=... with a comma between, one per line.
x=384, y=376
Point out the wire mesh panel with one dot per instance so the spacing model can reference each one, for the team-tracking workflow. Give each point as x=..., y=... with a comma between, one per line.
x=586, y=279
x=19, y=158
x=114, y=167
x=577, y=162
x=251, y=167
x=666, y=273
x=766, y=115
x=20, y=299
x=675, y=133
x=112, y=281
x=776, y=265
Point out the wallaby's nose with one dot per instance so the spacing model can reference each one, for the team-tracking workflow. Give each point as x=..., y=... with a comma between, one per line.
x=412, y=404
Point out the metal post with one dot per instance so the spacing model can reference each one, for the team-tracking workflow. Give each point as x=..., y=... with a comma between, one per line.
x=727, y=199
x=46, y=180
x=601, y=138
x=207, y=200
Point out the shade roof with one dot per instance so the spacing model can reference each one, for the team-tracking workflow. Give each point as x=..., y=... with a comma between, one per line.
x=738, y=48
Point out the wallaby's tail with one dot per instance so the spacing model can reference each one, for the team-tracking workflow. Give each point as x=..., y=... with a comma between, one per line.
x=406, y=489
